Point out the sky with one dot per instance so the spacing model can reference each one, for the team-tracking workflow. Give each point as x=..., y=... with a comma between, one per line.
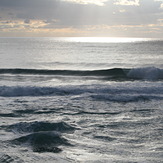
x=81, y=18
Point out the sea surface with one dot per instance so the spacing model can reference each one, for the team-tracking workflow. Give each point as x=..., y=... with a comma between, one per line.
x=90, y=100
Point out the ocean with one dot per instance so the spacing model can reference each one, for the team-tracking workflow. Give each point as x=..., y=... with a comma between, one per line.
x=83, y=99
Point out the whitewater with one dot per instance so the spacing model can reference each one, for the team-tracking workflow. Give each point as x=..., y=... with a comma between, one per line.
x=81, y=100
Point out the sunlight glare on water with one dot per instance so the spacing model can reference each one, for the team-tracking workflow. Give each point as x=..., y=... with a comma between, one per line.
x=105, y=39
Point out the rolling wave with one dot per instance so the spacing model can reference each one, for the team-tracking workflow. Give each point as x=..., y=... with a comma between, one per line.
x=115, y=72
x=121, y=93
x=147, y=73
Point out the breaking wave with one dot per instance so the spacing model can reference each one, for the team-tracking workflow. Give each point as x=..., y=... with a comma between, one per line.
x=148, y=73
x=115, y=93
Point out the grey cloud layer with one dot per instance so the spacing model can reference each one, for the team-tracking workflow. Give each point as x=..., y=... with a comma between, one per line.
x=57, y=13
x=69, y=13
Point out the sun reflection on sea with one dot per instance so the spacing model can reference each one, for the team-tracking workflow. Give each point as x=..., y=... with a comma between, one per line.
x=105, y=39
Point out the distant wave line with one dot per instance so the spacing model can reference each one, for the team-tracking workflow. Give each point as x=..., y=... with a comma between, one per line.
x=147, y=73
x=105, y=72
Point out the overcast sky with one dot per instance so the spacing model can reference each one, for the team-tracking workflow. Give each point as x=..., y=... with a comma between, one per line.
x=111, y=18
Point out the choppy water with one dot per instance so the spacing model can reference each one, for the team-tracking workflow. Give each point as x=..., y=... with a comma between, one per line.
x=81, y=100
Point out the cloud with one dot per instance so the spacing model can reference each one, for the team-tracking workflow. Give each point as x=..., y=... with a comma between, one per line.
x=122, y=11
x=161, y=1
x=81, y=17
x=27, y=21
x=20, y=25
x=95, y=2
x=161, y=6
x=127, y=2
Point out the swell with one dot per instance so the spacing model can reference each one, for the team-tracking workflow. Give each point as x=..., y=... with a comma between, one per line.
x=36, y=126
x=41, y=136
x=43, y=141
x=106, y=72
x=145, y=73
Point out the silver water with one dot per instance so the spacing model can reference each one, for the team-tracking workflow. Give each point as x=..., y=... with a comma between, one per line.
x=58, y=105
